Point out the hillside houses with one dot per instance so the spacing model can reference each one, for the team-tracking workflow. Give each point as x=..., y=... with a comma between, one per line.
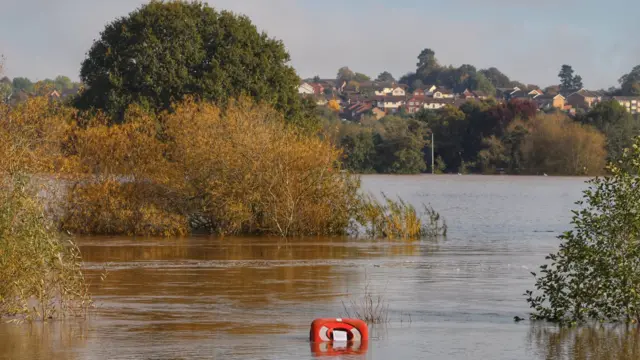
x=369, y=97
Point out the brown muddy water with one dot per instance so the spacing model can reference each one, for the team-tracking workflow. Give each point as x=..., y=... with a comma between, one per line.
x=254, y=298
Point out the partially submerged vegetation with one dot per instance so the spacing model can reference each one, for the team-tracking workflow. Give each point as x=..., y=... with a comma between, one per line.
x=40, y=269
x=595, y=276
x=240, y=169
x=397, y=219
x=370, y=307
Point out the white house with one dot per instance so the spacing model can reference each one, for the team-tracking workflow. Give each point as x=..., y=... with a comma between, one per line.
x=306, y=89
x=390, y=103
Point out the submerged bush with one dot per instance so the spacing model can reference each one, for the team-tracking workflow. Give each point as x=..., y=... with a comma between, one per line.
x=397, y=219
x=240, y=169
x=596, y=273
x=40, y=271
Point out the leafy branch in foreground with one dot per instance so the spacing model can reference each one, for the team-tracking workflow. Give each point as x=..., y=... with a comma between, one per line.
x=595, y=275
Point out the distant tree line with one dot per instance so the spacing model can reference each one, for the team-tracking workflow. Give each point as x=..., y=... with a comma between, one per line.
x=486, y=137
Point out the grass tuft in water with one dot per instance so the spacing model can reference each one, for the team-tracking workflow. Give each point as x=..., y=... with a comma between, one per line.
x=370, y=308
x=397, y=219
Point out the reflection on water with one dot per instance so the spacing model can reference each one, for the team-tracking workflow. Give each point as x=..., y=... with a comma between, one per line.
x=591, y=342
x=238, y=298
x=42, y=340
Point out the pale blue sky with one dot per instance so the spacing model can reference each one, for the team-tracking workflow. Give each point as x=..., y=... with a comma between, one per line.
x=527, y=39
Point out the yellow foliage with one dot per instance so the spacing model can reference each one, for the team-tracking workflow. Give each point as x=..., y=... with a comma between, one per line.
x=558, y=145
x=235, y=170
x=32, y=137
x=333, y=105
x=250, y=172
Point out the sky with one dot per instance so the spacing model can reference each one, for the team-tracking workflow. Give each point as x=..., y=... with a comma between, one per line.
x=527, y=40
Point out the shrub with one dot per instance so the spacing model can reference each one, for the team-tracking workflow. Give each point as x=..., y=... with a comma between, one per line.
x=596, y=273
x=40, y=270
x=396, y=220
x=557, y=145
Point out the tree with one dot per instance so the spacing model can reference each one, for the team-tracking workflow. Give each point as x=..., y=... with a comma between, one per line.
x=5, y=84
x=359, y=151
x=164, y=51
x=333, y=105
x=316, y=79
x=417, y=84
x=385, y=76
x=22, y=83
x=359, y=77
x=63, y=83
x=568, y=82
x=618, y=125
x=427, y=62
x=595, y=275
x=630, y=83
x=577, y=83
x=479, y=81
x=496, y=77
x=399, y=146
x=345, y=74
x=5, y=92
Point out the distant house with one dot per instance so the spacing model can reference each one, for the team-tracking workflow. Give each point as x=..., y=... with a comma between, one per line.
x=536, y=92
x=415, y=104
x=437, y=103
x=398, y=91
x=523, y=95
x=392, y=89
x=583, y=99
x=476, y=94
x=467, y=94
x=418, y=92
x=306, y=89
x=631, y=103
x=480, y=95
x=390, y=104
x=429, y=89
x=506, y=93
x=318, y=88
x=356, y=111
x=548, y=102
x=442, y=93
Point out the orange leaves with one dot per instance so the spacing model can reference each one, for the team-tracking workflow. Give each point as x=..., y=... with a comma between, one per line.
x=333, y=105
x=240, y=169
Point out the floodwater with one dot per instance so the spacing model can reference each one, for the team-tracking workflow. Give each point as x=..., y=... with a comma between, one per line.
x=254, y=298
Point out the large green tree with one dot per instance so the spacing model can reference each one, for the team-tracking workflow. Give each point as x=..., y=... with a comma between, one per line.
x=165, y=51
x=496, y=77
x=630, y=83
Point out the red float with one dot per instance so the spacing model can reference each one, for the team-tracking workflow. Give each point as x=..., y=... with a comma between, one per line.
x=322, y=330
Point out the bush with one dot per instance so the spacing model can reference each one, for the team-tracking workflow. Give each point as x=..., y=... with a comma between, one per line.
x=397, y=220
x=240, y=169
x=557, y=145
x=40, y=270
x=596, y=273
